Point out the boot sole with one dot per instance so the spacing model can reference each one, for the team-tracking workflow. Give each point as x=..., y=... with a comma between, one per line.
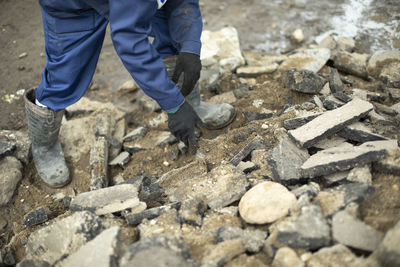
x=224, y=125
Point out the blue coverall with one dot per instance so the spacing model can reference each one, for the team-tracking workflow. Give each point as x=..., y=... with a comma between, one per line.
x=74, y=32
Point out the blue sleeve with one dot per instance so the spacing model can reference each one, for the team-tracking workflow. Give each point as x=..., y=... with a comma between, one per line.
x=185, y=24
x=130, y=25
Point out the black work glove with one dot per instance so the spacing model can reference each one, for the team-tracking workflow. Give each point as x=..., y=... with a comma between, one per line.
x=190, y=65
x=182, y=123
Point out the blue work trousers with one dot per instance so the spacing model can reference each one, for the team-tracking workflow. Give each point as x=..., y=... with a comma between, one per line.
x=74, y=32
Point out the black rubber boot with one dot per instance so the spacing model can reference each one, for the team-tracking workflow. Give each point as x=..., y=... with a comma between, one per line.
x=44, y=126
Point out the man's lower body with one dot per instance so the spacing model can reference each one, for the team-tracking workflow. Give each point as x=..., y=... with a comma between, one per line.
x=74, y=32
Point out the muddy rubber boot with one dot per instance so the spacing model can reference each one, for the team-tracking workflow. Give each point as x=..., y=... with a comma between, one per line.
x=214, y=116
x=44, y=126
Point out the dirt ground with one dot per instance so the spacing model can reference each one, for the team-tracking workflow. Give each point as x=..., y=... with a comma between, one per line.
x=21, y=32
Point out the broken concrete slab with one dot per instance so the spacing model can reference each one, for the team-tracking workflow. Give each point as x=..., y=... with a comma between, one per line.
x=137, y=218
x=107, y=200
x=122, y=159
x=308, y=59
x=98, y=161
x=62, y=237
x=352, y=63
x=346, y=44
x=358, y=132
x=102, y=251
x=254, y=71
x=390, y=164
x=265, y=203
x=368, y=95
x=354, y=233
x=247, y=166
x=309, y=231
x=35, y=217
x=303, y=81
x=256, y=143
x=295, y=123
x=331, y=141
x=340, y=159
x=335, y=83
x=85, y=106
x=253, y=240
x=11, y=173
x=330, y=122
x=286, y=160
x=219, y=188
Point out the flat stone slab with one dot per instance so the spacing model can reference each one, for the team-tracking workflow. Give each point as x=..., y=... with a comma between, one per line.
x=35, y=217
x=358, y=132
x=122, y=159
x=135, y=134
x=340, y=159
x=62, y=237
x=354, y=233
x=330, y=122
x=286, y=160
x=107, y=200
x=99, y=252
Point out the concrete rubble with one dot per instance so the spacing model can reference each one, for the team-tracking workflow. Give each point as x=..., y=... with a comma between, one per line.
x=283, y=185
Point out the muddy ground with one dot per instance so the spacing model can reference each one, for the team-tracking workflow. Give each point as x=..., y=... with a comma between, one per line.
x=21, y=31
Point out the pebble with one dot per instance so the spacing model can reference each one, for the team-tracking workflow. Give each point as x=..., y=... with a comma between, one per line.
x=23, y=55
x=266, y=203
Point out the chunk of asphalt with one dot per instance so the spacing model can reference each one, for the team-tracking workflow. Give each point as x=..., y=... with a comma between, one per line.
x=35, y=217
x=330, y=122
x=256, y=143
x=344, y=158
x=358, y=132
x=331, y=102
x=286, y=160
x=137, y=218
x=390, y=164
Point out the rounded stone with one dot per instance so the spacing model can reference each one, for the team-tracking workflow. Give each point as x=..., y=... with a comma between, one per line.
x=266, y=203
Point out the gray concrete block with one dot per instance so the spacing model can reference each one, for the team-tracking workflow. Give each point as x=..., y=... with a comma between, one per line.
x=340, y=159
x=330, y=122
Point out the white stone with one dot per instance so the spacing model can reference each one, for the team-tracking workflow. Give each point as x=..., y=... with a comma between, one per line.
x=266, y=203
x=222, y=45
x=298, y=36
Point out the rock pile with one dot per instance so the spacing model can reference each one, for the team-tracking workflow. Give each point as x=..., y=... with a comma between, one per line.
x=290, y=202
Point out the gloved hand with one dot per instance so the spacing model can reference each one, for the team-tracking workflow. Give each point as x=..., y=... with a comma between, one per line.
x=190, y=65
x=182, y=123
